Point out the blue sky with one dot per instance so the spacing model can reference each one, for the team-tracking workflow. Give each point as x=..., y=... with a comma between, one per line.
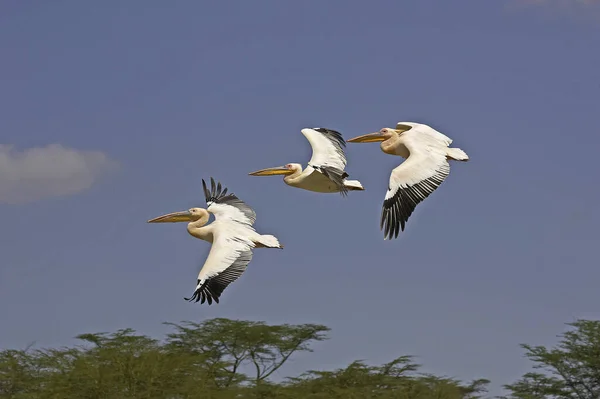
x=115, y=111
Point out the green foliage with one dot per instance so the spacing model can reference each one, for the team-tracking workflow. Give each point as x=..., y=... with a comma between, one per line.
x=396, y=379
x=571, y=370
x=231, y=344
x=227, y=359
x=214, y=359
x=19, y=376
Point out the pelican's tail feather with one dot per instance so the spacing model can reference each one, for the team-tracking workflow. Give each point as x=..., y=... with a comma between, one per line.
x=268, y=240
x=457, y=154
x=353, y=185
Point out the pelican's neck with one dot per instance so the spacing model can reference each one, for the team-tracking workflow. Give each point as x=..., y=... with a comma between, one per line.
x=291, y=179
x=199, y=230
x=394, y=146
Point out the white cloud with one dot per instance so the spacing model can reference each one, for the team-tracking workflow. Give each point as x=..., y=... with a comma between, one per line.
x=51, y=171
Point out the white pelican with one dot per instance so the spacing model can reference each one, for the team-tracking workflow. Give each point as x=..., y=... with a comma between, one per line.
x=325, y=170
x=231, y=235
x=426, y=152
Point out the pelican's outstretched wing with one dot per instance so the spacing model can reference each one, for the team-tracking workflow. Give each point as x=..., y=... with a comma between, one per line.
x=410, y=183
x=328, y=154
x=226, y=262
x=425, y=131
x=227, y=206
x=327, y=147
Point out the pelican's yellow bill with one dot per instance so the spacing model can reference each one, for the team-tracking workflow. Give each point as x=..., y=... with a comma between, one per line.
x=279, y=170
x=183, y=216
x=368, y=138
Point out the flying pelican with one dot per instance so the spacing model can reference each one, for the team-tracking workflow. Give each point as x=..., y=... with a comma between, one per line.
x=325, y=170
x=231, y=235
x=426, y=152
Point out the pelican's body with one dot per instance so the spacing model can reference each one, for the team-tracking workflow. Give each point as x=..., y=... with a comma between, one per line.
x=231, y=235
x=206, y=233
x=312, y=179
x=426, y=152
x=325, y=171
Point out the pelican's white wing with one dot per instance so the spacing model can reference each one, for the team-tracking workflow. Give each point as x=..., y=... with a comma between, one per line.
x=227, y=260
x=227, y=206
x=410, y=183
x=328, y=155
x=231, y=249
x=327, y=147
x=425, y=131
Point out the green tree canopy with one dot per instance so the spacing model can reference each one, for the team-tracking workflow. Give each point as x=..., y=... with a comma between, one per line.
x=214, y=359
x=571, y=370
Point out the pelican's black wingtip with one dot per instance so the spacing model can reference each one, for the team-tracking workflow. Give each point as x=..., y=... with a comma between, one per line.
x=202, y=295
x=206, y=192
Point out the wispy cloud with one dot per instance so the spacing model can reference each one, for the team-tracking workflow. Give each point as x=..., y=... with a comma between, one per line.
x=52, y=171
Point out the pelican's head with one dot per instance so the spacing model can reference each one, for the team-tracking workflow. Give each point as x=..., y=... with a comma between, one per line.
x=382, y=135
x=285, y=170
x=191, y=215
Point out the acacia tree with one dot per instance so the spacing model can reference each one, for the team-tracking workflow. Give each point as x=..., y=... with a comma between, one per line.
x=231, y=345
x=19, y=376
x=214, y=359
x=396, y=379
x=121, y=364
x=571, y=370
